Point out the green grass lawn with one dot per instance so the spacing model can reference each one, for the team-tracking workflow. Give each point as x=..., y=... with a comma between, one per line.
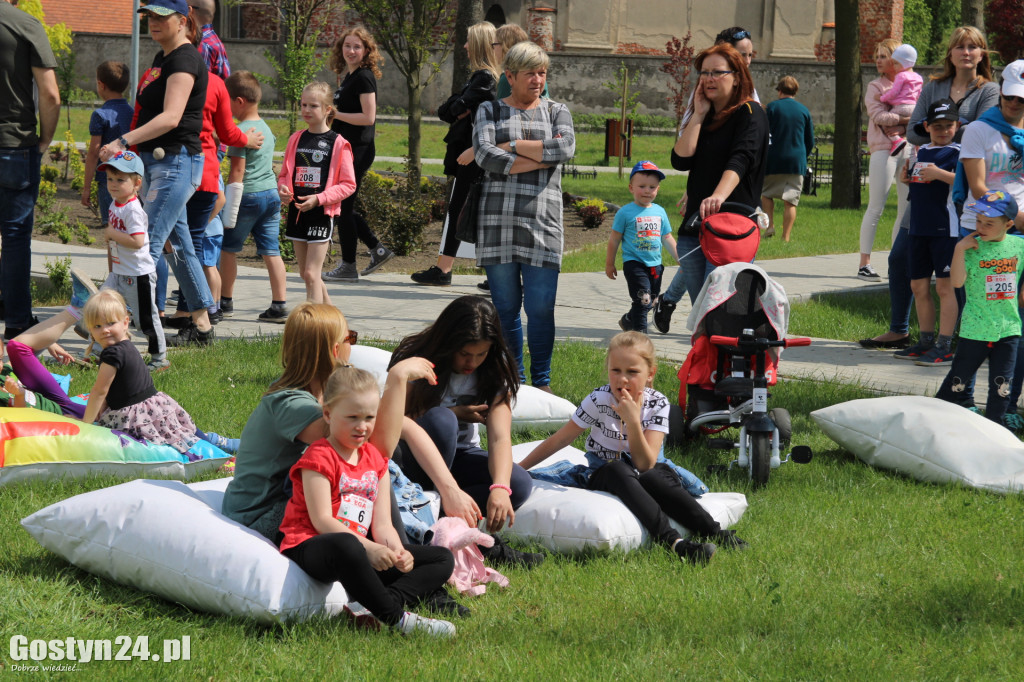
x=852, y=574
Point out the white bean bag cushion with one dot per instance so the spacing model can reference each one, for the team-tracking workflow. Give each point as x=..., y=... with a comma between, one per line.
x=564, y=519
x=533, y=408
x=165, y=538
x=927, y=439
x=37, y=444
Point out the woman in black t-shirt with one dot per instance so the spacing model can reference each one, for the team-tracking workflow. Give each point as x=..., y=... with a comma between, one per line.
x=725, y=143
x=170, y=102
x=357, y=61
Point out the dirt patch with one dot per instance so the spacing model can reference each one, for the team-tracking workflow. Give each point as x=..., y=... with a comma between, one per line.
x=576, y=237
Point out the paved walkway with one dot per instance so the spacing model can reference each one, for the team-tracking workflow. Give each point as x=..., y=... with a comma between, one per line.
x=390, y=306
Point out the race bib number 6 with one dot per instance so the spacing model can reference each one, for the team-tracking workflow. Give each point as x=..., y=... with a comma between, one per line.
x=355, y=512
x=1000, y=287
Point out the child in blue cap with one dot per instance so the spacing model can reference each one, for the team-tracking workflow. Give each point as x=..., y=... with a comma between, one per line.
x=988, y=266
x=642, y=227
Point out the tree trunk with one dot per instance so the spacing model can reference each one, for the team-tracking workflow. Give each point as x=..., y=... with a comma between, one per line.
x=846, y=169
x=415, y=134
x=470, y=12
x=972, y=13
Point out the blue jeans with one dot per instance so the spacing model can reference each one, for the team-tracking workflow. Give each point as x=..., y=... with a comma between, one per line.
x=197, y=212
x=166, y=189
x=19, y=189
x=1001, y=356
x=900, y=296
x=693, y=270
x=515, y=287
x=468, y=464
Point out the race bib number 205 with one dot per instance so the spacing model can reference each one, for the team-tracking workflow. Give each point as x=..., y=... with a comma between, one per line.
x=1000, y=287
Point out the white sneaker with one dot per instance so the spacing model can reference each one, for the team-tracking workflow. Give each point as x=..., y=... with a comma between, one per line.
x=411, y=623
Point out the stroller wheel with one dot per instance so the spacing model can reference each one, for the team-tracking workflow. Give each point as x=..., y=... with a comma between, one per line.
x=783, y=422
x=676, y=427
x=760, y=458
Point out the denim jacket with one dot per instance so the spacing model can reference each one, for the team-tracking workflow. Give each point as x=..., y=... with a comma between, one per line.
x=566, y=473
x=413, y=504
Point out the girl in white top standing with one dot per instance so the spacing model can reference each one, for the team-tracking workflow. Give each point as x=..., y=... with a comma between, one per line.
x=628, y=421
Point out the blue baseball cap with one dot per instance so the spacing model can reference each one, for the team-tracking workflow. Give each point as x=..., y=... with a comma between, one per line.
x=646, y=167
x=166, y=7
x=994, y=204
x=126, y=162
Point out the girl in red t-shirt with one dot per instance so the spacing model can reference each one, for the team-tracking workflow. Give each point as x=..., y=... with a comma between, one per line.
x=337, y=525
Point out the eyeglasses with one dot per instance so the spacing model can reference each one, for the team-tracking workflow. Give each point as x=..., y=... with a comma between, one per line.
x=1012, y=98
x=740, y=35
x=352, y=338
x=715, y=75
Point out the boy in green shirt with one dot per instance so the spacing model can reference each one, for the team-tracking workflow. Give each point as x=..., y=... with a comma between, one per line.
x=987, y=264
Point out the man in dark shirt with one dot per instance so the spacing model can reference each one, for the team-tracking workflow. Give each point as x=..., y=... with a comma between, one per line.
x=27, y=71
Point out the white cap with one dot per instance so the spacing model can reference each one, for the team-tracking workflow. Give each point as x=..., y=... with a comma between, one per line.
x=906, y=55
x=1013, y=79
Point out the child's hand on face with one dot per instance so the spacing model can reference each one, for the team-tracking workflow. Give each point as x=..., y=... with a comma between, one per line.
x=969, y=242
x=307, y=203
x=628, y=408
x=412, y=369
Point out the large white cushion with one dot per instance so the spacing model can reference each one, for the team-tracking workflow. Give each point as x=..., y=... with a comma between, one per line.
x=165, y=538
x=533, y=408
x=564, y=519
x=927, y=439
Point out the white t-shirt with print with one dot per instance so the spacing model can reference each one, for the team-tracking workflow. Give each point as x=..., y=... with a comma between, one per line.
x=1004, y=169
x=607, y=438
x=130, y=219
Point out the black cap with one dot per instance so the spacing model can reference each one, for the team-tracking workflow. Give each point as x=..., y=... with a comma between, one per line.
x=942, y=110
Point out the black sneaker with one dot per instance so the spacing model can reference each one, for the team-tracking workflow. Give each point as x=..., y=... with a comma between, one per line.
x=227, y=308
x=729, y=540
x=216, y=317
x=699, y=553
x=275, y=315
x=433, y=276
x=378, y=257
x=624, y=323
x=502, y=554
x=484, y=286
x=663, y=314
x=190, y=336
x=176, y=322
x=439, y=601
x=915, y=352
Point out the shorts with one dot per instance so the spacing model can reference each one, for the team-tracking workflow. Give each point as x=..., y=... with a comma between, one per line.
x=785, y=187
x=209, y=251
x=258, y=214
x=926, y=255
x=312, y=226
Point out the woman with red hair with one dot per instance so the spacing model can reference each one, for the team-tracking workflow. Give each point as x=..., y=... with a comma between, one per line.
x=725, y=143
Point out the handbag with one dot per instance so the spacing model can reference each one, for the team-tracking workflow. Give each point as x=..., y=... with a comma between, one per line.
x=466, y=224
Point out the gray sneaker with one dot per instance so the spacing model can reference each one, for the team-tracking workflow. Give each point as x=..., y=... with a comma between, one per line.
x=345, y=272
x=434, y=627
x=378, y=257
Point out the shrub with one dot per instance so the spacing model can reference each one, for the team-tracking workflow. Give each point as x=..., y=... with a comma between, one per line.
x=50, y=174
x=435, y=192
x=59, y=274
x=591, y=212
x=391, y=214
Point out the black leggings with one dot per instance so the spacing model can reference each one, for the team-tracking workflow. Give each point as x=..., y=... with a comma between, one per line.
x=351, y=225
x=460, y=189
x=340, y=557
x=654, y=496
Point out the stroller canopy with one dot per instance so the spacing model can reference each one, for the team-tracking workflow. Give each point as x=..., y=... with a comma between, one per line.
x=738, y=296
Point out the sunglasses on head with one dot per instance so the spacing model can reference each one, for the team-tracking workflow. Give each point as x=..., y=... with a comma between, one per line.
x=352, y=338
x=740, y=35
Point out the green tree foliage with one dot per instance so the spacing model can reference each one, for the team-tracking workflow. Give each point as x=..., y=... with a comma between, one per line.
x=417, y=35
x=927, y=25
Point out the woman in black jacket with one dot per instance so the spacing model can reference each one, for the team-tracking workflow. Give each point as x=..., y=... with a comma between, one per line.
x=459, y=111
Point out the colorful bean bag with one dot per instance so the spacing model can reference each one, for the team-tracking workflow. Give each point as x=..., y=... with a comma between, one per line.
x=927, y=439
x=532, y=409
x=566, y=519
x=36, y=444
x=171, y=540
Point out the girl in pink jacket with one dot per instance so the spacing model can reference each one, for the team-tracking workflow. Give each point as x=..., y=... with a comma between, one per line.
x=316, y=175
